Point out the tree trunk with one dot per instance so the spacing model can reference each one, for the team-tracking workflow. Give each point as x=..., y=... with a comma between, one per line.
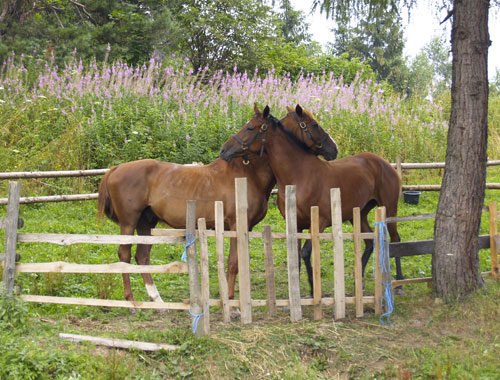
x=455, y=264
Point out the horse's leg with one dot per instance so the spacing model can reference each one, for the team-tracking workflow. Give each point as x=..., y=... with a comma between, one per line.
x=306, y=255
x=365, y=227
x=232, y=267
x=232, y=271
x=124, y=253
x=143, y=253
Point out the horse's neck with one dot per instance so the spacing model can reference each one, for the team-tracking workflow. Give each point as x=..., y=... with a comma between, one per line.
x=258, y=171
x=289, y=162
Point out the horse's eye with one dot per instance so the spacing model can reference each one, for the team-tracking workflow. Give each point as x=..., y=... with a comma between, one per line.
x=250, y=129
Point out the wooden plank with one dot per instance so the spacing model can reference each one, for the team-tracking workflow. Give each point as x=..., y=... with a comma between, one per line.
x=9, y=270
x=493, y=243
x=205, y=282
x=292, y=253
x=258, y=234
x=358, y=274
x=426, y=247
x=118, y=343
x=53, y=174
x=338, y=255
x=175, y=305
x=54, y=198
x=411, y=218
x=219, y=249
x=316, y=262
x=192, y=261
x=269, y=262
x=105, y=303
x=397, y=283
x=119, y=267
x=378, y=268
x=70, y=239
x=243, y=250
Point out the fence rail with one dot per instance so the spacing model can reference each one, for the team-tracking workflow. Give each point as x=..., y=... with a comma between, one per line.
x=95, y=172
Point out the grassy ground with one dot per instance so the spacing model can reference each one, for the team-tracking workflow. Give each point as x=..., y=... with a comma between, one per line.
x=428, y=340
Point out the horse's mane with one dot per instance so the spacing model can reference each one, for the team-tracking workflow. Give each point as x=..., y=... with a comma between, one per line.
x=300, y=144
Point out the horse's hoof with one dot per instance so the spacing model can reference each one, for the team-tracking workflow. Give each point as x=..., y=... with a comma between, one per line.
x=399, y=291
x=235, y=313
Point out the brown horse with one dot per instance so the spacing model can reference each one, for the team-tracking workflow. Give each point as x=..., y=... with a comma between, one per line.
x=139, y=194
x=365, y=180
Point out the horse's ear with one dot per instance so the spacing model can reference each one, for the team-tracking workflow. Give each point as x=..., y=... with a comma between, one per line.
x=255, y=108
x=267, y=110
x=298, y=110
x=289, y=109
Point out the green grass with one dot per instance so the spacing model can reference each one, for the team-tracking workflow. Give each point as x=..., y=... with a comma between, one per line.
x=428, y=340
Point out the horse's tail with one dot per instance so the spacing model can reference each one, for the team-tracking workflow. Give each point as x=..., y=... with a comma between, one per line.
x=104, y=203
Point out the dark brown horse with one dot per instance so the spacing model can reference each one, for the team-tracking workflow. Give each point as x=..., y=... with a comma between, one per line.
x=365, y=180
x=139, y=194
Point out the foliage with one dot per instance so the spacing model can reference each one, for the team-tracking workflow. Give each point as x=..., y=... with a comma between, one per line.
x=133, y=29
x=13, y=312
x=97, y=115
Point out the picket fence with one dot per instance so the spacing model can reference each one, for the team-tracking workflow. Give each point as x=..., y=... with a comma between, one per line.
x=200, y=301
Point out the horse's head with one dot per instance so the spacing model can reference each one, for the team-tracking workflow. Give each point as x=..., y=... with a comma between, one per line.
x=251, y=137
x=301, y=123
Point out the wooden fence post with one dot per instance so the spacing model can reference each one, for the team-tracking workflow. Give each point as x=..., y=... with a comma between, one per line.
x=269, y=259
x=316, y=262
x=243, y=250
x=11, y=222
x=386, y=274
x=195, y=306
x=219, y=248
x=400, y=173
x=493, y=244
x=292, y=253
x=205, y=281
x=358, y=271
x=378, y=268
x=338, y=254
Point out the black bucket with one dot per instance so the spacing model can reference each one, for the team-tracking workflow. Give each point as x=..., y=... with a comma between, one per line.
x=411, y=197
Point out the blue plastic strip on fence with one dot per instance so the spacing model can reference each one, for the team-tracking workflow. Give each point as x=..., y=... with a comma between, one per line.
x=197, y=317
x=385, y=264
x=189, y=242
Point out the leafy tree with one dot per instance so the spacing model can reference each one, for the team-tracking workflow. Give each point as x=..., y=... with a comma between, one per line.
x=377, y=39
x=132, y=29
x=225, y=33
x=294, y=27
x=420, y=76
x=439, y=57
x=455, y=264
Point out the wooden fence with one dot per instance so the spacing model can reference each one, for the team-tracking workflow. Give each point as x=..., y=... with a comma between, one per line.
x=199, y=295
x=426, y=247
x=400, y=166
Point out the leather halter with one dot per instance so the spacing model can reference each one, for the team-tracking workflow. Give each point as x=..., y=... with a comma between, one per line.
x=304, y=129
x=244, y=145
